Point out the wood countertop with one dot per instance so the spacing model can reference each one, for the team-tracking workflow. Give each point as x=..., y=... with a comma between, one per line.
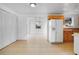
x=72, y=29
x=68, y=29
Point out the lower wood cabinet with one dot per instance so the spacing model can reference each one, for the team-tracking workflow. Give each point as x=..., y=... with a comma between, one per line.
x=68, y=36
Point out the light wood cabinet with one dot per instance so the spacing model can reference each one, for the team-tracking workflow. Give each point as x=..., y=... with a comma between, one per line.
x=56, y=17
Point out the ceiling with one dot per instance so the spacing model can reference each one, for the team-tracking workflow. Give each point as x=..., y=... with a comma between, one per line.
x=42, y=8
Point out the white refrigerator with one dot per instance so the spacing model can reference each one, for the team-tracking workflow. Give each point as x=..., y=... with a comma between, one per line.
x=55, y=31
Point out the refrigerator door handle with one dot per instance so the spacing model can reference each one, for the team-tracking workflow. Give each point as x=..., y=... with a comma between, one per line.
x=53, y=28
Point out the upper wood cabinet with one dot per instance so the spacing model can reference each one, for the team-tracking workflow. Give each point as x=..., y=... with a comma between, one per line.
x=55, y=17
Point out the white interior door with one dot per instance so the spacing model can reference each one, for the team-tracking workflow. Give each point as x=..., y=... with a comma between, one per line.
x=52, y=30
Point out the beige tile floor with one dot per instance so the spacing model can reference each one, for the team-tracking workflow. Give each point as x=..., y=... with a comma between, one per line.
x=37, y=47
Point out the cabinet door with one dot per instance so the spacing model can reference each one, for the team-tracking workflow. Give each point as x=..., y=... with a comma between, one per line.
x=52, y=30
x=68, y=36
x=59, y=30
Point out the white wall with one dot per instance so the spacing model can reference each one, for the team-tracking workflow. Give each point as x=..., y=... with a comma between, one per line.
x=22, y=27
x=76, y=21
x=7, y=28
x=0, y=29
x=26, y=26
